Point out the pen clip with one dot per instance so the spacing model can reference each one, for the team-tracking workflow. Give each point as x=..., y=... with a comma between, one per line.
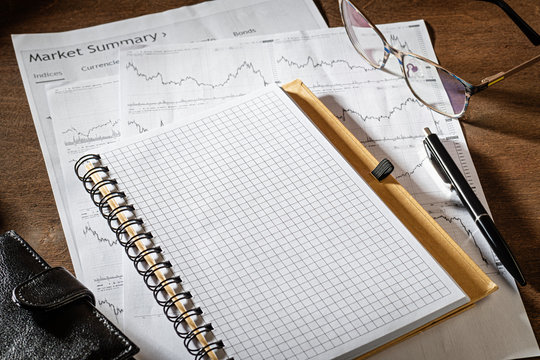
x=437, y=167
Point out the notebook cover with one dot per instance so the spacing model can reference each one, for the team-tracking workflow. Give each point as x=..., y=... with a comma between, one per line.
x=472, y=280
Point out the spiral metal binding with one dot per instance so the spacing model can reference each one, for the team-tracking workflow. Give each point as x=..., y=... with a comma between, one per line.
x=192, y=335
x=134, y=239
x=113, y=215
x=120, y=227
x=95, y=190
x=83, y=160
x=171, y=303
x=180, y=321
x=151, y=271
x=87, y=178
x=142, y=254
x=103, y=205
x=205, y=350
x=122, y=230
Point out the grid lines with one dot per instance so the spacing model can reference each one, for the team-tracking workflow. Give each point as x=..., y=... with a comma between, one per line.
x=285, y=253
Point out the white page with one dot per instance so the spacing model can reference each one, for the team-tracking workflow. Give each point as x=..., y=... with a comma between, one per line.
x=287, y=249
x=80, y=126
x=92, y=53
x=380, y=111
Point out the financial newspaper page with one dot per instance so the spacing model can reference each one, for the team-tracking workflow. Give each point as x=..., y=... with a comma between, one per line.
x=48, y=60
x=162, y=85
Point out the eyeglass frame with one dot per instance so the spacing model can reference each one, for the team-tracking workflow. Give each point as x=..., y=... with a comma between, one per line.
x=470, y=89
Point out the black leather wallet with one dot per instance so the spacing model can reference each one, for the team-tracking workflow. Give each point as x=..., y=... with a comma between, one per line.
x=46, y=313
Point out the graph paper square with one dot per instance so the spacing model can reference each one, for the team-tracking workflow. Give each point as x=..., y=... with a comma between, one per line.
x=288, y=251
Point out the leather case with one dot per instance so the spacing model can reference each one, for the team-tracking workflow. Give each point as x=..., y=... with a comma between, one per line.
x=46, y=313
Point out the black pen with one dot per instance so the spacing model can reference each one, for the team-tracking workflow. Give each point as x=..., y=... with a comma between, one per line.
x=447, y=168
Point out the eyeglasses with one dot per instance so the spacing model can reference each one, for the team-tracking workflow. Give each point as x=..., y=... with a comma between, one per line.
x=423, y=75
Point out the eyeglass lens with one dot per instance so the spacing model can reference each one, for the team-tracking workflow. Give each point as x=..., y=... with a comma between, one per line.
x=421, y=75
x=422, y=79
x=366, y=40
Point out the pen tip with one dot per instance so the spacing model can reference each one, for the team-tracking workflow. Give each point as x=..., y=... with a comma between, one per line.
x=427, y=131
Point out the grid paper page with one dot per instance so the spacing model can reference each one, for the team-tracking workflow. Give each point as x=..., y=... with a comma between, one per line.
x=287, y=250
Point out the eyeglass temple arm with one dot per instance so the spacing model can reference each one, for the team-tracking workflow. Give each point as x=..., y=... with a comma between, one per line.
x=490, y=80
x=525, y=28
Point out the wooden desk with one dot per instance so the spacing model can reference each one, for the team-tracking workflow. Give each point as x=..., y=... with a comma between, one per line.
x=472, y=38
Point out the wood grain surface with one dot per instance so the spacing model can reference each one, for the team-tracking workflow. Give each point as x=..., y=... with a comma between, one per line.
x=472, y=38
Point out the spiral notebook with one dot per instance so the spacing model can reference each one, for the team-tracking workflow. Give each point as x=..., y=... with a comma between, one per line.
x=261, y=234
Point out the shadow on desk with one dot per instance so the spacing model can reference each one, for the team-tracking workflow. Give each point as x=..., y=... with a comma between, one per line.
x=486, y=109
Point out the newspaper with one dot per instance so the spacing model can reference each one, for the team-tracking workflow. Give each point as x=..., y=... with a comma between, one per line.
x=91, y=53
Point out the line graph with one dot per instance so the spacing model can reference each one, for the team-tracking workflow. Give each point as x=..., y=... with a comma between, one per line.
x=89, y=232
x=310, y=61
x=398, y=44
x=177, y=103
x=110, y=308
x=78, y=137
x=411, y=172
x=141, y=129
x=245, y=66
x=315, y=85
x=455, y=219
x=459, y=221
x=347, y=112
x=461, y=224
x=369, y=139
